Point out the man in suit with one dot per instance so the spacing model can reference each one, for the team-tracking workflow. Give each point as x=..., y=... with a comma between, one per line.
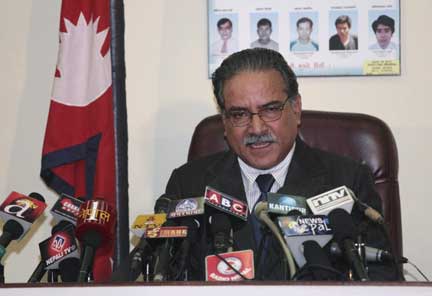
x=258, y=97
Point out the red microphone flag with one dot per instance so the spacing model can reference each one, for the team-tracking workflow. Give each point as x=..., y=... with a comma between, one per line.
x=78, y=156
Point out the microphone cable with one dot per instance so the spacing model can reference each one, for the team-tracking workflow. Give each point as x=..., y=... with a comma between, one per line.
x=261, y=213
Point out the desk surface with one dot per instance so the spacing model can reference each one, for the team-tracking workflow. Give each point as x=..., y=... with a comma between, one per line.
x=225, y=289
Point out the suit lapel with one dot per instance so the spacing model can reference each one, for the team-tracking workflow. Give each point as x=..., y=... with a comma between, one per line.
x=306, y=176
x=225, y=176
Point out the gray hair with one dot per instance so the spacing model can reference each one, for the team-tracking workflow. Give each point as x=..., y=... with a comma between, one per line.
x=253, y=59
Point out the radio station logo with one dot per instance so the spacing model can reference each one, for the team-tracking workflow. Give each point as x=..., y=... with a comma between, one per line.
x=166, y=232
x=241, y=261
x=58, y=242
x=68, y=206
x=23, y=207
x=283, y=204
x=58, y=246
x=226, y=203
x=186, y=207
x=330, y=199
x=94, y=213
x=226, y=269
x=305, y=225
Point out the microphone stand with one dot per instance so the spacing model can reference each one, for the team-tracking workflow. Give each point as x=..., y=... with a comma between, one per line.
x=53, y=276
x=361, y=249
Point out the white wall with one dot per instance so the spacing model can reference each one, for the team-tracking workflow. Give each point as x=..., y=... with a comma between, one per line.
x=168, y=93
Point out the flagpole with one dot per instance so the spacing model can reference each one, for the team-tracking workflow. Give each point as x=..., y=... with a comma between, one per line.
x=120, y=131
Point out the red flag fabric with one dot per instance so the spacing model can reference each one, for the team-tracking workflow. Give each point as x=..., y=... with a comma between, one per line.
x=78, y=152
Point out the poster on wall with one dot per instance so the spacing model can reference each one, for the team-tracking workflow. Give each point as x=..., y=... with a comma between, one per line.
x=316, y=37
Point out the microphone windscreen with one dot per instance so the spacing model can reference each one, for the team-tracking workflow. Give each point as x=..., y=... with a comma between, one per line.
x=69, y=270
x=343, y=225
x=294, y=213
x=162, y=204
x=92, y=238
x=60, y=226
x=37, y=196
x=96, y=216
x=318, y=263
x=314, y=254
x=220, y=223
x=13, y=228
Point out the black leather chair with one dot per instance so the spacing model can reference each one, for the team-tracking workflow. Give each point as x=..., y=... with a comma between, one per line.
x=359, y=136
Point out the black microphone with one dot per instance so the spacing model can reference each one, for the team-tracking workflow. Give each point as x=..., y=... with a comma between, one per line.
x=221, y=231
x=142, y=249
x=40, y=270
x=162, y=204
x=372, y=254
x=344, y=235
x=185, y=247
x=38, y=273
x=318, y=262
x=92, y=240
x=20, y=212
x=70, y=266
x=69, y=270
x=95, y=226
x=163, y=257
x=12, y=230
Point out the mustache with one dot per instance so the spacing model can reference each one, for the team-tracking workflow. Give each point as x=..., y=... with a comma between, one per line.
x=258, y=139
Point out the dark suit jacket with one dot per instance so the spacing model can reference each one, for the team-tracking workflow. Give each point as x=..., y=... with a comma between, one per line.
x=336, y=44
x=311, y=172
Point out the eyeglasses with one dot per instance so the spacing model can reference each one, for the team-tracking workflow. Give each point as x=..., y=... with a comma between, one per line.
x=243, y=117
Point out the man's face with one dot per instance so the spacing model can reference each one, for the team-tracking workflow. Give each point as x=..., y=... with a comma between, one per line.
x=225, y=31
x=264, y=32
x=304, y=31
x=253, y=91
x=343, y=30
x=383, y=35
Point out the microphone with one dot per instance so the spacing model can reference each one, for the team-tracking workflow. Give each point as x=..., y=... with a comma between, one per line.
x=163, y=257
x=283, y=204
x=162, y=204
x=95, y=227
x=192, y=206
x=69, y=269
x=226, y=265
x=341, y=197
x=19, y=212
x=185, y=247
x=299, y=229
x=344, y=235
x=372, y=254
x=55, y=249
x=368, y=211
x=262, y=214
x=65, y=211
x=137, y=255
x=318, y=262
x=12, y=230
x=66, y=208
x=140, y=256
x=324, y=203
x=221, y=230
x=61, y=250
x=226, y=203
